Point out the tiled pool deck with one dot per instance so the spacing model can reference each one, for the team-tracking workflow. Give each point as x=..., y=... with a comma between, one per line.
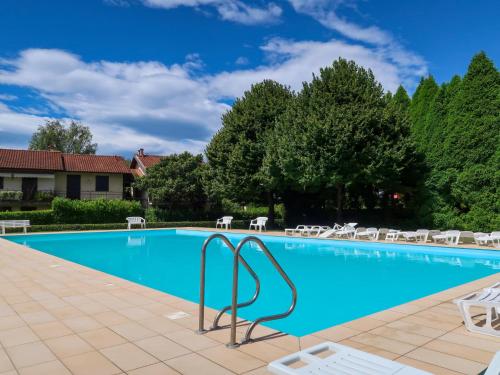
x=58, y=317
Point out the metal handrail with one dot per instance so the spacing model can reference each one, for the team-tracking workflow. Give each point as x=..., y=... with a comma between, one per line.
x=215, y=325
x=234, y=305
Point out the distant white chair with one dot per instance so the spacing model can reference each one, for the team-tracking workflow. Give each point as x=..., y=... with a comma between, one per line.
x=369, y=233
x=393, y=235
x=419, y=235
x=258, y=223
x=224, y=221
x=136, y=220
x=337, y=230
x=329, y=358
x=487, y=299
x=449, y=237
x=297, y=229
x=486, y=239
x=25, y=224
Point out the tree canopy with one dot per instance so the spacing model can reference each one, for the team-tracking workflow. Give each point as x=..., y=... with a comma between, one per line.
x=56, y=135
x=341, y=134
x=236, y=152
x=176, y=182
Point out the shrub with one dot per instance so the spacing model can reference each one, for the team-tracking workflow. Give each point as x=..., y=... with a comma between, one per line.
x=40, y=217
x=237, y=224
x=7, y=195
x=96, y=211
x=44, y=196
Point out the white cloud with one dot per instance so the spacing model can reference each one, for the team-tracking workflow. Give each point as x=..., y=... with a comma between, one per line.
x=171, y=108
x=229, y=10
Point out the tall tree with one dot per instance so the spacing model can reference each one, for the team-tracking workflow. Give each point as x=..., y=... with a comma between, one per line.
x=176, y=182
x=342, y=131
x=56, y=135
x=235, y=154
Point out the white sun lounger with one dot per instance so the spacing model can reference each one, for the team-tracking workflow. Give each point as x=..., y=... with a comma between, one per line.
x=419, y=235
x=297, y=229
x=450, y=237
x=485, y=239
x=343, y=361
x=370, y=233
x=489, y=300
x=494, y=367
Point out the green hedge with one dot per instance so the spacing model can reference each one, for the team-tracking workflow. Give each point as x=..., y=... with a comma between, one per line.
x=40, y=217
x=96, y=211
x=237, y=224
x=7, y=195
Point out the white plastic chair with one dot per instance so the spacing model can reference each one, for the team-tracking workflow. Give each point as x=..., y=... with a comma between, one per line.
x=419, y=235
x=343, y=360
x=136, y=220
x=224, y=221
x=494, y=367
x=486, y=239
x=449, y=237
x=25, y=224
x=297, y=229
x=370, y=233
x=487, y=299
x=258, y=223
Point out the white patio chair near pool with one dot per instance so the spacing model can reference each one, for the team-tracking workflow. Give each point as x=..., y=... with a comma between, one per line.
x=486, y=239
x=488, y=300
x=314, y=230
x=292, y=231
x=393, y=235
x=369, y=233
x=25, y=224
x=340, y=359
x=258, y=223
x=224, y=221
x=136, y=220
x=330, y=232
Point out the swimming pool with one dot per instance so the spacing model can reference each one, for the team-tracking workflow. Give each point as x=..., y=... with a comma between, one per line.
x=336, y=281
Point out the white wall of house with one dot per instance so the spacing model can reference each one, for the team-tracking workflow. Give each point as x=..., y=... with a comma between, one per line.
x=46, y=183
x=88, y=184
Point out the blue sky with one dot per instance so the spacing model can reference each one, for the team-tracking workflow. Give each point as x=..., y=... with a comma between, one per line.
x=158, y=74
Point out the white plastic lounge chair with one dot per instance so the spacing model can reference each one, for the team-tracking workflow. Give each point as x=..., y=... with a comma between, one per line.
x=493, y=238
x=224, y=221
x=344, y=360
x=347, y=231
x=258, y=223
x=314, y=230
x=419, y=235
x=332, y=231
x=494, y=367
x=487, y=299
x=393, y=235
x=370, y=233
x=292, y=231
x=449, y=237
x=136, y=220
x=25, y=224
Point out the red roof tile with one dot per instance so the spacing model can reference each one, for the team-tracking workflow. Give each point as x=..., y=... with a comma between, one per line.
x=94, y=163
x=30, y=160
x=149, y=160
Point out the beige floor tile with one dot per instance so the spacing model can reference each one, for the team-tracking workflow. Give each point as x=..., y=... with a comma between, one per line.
x=388, y=315
x=416, y=328
x=337, y=333
x=383, y=343
x=161, y=347
x=401, y=335
x=30, y=354
x=47, y=368
x=37, y=317
x=161, y=324
x=232, y=359
x=128, y=356
x=92, y=363
x=364, y=324
x=132, y=331
x=102, y=338
x=436, y=370
x=429, y=323
x=27, y=307
x=68, y=346
x=191, y=340
x=370, y=349
x=259, y=371
x=82, y=323
x=17, y=336
x=13, y=321
x=5, y=363
x=110, y=318
x=66, y=312
x=156, y=369
x=50, y=330
x=195, y=364
x=447, y=361
x=461, y=351
x=264, y=351
x=481, y=343
x=136, y=313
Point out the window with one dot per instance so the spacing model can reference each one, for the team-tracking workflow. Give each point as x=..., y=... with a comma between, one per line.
x=101, y=183
x=1, y=182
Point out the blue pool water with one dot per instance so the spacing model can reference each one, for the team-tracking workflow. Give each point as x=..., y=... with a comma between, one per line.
x=337, y=281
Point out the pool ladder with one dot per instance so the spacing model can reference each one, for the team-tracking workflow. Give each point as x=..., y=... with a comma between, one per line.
x=237, y=259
